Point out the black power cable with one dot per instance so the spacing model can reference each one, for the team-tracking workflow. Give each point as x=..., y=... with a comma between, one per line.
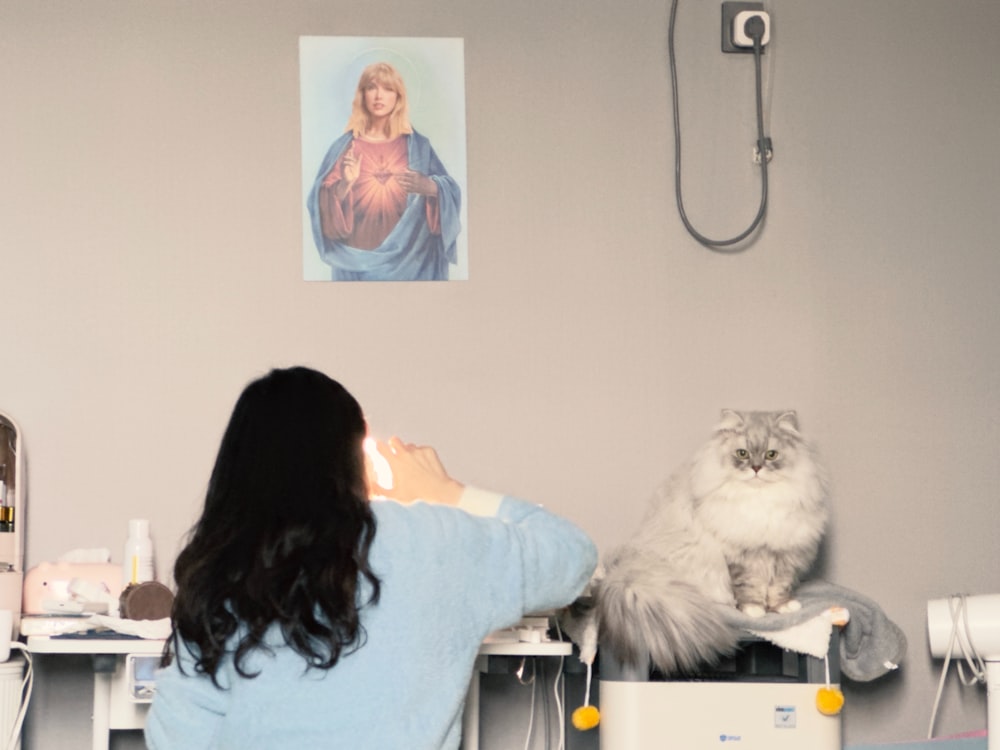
x=755, y=30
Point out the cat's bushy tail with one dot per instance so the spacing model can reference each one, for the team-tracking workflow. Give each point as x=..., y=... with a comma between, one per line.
x=643, y=612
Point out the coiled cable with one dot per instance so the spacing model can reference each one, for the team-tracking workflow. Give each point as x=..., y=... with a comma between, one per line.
x=763, y=143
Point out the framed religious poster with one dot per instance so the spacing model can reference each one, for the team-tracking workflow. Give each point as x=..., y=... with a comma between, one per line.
x=383, y=159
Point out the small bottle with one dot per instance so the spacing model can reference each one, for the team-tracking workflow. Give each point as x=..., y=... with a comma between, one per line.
x=6, y=520
x=137, y=566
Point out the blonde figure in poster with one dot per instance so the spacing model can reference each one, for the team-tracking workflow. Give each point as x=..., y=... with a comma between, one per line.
x=383, y=207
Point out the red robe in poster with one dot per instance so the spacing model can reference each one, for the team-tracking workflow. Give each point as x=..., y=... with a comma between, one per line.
x=375, y=202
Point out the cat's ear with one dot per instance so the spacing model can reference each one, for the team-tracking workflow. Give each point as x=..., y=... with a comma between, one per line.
x=730, y=419
x=788, y=420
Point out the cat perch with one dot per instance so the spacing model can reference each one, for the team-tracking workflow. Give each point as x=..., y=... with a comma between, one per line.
x=637, y=711
x=870, y=646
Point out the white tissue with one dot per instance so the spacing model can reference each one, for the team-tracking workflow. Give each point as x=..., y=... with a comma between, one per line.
x=97, y=555
x=80, y=589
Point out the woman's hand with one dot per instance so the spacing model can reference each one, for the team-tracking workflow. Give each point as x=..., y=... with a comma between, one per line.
x=417, y=474
x=351, y=167
x=350, y=170
x=415, y=182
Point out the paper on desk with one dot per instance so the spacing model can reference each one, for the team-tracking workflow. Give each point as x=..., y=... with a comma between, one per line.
x=151, y=629
x=54, y=624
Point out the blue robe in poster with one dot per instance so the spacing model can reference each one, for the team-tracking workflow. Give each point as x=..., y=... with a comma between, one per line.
x=411, y=252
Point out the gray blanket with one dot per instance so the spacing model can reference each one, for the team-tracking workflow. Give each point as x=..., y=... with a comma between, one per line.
x=870, y=643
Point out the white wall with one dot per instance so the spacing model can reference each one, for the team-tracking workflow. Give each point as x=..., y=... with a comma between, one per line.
x=150, y=265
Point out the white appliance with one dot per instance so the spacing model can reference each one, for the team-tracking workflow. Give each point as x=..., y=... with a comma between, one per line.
x=760, y=703
x=969, y=627
x=704, y=715
x=13, y=694
x=12, y=496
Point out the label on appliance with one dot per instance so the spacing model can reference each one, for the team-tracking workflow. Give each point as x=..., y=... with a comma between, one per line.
x=784, y=717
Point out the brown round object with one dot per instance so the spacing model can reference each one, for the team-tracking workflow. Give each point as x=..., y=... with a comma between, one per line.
x=149, y=600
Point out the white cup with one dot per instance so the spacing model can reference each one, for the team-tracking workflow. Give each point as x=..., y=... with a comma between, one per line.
x=6, y=628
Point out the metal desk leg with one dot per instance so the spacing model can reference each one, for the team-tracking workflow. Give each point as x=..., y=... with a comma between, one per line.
x=104, y=669
x=470, y=720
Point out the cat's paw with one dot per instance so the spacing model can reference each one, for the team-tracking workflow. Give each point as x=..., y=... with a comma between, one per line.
x=752, y=610
x=792, y=605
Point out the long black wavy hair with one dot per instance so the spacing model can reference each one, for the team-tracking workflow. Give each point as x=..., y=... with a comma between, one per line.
x=286, y=530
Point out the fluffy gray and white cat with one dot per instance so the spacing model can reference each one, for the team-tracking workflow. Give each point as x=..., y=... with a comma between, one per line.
x=737, y=525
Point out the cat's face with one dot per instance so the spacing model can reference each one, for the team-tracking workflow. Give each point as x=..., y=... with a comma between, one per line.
x=758, y=446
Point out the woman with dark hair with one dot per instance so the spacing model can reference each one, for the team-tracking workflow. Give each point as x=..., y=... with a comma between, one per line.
x=307, y=616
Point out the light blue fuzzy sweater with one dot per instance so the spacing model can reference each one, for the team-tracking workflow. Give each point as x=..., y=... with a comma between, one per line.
x=450, y=576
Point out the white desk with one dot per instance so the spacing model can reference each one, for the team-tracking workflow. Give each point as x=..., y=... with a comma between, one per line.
x=114, y=710
x=470, y=720
x=112, y=707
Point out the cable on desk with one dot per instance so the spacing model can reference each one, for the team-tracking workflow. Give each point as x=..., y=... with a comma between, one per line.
x=26, y=684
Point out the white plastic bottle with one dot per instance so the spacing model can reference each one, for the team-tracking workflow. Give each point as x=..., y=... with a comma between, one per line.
x=137, y=566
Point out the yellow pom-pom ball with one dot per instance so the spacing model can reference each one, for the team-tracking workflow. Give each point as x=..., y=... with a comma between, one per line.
x=829, y=701
x=586, y=717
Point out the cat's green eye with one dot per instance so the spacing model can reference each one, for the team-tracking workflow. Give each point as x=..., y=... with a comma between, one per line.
x=742, y=453
x=771, y=455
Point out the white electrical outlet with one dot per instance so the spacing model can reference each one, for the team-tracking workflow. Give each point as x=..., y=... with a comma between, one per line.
x=740, y=36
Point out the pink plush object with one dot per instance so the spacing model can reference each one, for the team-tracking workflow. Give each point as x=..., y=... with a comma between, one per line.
x=50, y=581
